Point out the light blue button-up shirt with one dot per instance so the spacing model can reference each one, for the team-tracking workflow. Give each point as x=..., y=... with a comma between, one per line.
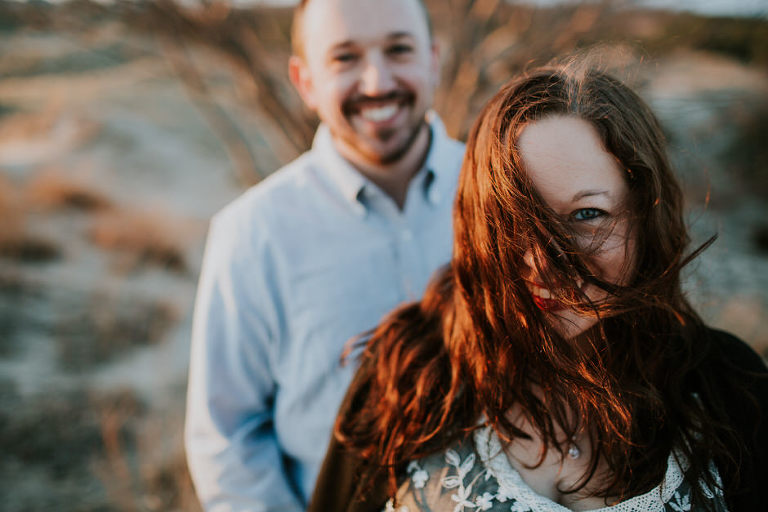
x=295, y=267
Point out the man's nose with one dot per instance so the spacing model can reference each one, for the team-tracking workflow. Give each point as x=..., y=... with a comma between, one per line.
x=377, y=78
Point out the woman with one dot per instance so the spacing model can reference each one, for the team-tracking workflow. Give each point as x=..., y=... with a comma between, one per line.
x=555, y=364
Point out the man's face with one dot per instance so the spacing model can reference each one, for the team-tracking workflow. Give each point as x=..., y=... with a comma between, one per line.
x=369, y=71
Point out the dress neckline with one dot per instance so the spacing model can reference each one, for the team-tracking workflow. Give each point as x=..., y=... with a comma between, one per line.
x=511, y=483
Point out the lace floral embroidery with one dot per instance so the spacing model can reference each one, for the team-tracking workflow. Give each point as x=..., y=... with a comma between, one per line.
x=463, y=489
x=680, y=503
x=419, y=477
x=495, y=485
x=390, y=507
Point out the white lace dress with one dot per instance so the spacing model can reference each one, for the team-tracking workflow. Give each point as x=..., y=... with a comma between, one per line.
x=477, y=476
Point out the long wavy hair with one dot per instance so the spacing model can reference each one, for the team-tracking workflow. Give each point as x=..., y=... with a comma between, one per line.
x=476, y=345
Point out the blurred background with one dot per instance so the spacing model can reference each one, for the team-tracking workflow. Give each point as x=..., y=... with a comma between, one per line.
x=125, y=125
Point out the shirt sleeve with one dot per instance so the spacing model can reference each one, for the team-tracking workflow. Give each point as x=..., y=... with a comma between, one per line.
x=232, y=450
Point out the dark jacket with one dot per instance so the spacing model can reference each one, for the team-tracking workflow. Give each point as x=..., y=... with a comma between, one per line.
x=341, y=488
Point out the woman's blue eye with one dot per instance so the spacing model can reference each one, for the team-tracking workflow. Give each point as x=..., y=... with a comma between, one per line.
x=587, y=214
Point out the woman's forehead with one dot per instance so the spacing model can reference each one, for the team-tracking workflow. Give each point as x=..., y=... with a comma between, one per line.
x=567, y=163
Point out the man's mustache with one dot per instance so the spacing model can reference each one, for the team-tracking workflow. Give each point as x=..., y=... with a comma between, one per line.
x=361, y=101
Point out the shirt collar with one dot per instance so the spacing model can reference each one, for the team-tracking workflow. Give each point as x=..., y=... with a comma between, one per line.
x=438, y=160
x=343, y=174
x=351, y=182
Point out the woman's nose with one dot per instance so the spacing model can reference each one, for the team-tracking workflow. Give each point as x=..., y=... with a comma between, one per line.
x=529, y=260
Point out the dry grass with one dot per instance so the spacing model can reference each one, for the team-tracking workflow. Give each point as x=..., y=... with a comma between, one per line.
x=23, y=125
x=48, y=133
x=92, y=451
x=12, y=291
x=137, y=237
x=49, y=439
x=99, y=328
x=10, y=212
x=16, y=242
x=147, y=469
x=142, y=238
x=54, y=189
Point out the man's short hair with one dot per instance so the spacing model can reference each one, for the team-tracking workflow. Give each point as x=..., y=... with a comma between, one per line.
x=297, y=29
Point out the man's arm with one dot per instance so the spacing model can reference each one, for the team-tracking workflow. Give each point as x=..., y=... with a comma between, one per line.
x=233, y=454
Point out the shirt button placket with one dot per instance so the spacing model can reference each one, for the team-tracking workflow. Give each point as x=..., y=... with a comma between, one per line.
x=409, y=262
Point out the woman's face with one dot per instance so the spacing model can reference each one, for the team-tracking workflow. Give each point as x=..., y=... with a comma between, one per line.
x=583, y=183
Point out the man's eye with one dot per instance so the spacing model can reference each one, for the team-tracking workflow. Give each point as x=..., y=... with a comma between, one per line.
x=344, y=57
x=583, y=214
x=399, y=49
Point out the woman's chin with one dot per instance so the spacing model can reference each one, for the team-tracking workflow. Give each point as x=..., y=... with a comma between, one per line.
x=569, y=323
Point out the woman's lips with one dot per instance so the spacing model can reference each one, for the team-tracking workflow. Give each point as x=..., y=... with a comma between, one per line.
x=548, y=304
x=542, y=297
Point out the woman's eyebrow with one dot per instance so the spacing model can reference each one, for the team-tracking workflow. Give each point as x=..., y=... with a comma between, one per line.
x=589, y=193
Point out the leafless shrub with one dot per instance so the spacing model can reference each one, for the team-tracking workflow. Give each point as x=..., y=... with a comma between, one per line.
x=253, y=44
x=484, y=42
x=142, y=238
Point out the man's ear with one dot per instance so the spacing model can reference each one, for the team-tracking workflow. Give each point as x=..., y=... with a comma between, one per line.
x=301, y=79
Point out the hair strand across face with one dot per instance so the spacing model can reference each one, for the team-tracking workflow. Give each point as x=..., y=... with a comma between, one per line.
x=477, y=346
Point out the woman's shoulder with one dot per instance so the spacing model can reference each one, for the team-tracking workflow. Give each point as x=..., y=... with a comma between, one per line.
x=735, y=374
x=738, y=380
x=730, y=350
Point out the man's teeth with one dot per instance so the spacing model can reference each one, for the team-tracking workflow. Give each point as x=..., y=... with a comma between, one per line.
x=378, y=114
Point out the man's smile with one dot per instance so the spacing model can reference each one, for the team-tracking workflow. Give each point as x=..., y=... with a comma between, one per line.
x=380, y=114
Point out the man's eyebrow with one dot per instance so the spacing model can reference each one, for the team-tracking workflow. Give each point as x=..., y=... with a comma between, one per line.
x=342, y=45
x=589, y=193
x=392, y=35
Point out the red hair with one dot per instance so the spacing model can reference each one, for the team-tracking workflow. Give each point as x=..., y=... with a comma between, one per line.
x=476, y=345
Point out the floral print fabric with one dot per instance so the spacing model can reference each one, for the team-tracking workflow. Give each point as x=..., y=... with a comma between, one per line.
x=476, y=476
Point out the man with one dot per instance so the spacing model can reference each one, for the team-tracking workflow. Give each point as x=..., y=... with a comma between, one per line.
x=318, y=253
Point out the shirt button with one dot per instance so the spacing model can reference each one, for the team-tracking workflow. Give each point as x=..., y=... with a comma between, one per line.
x=434, y=196
x=406, y=235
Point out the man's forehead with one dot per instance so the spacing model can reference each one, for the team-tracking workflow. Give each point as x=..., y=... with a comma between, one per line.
x=330, y=23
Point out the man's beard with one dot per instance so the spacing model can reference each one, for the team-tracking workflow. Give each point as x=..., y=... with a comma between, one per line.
x=354, y=139
x=399, y=152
